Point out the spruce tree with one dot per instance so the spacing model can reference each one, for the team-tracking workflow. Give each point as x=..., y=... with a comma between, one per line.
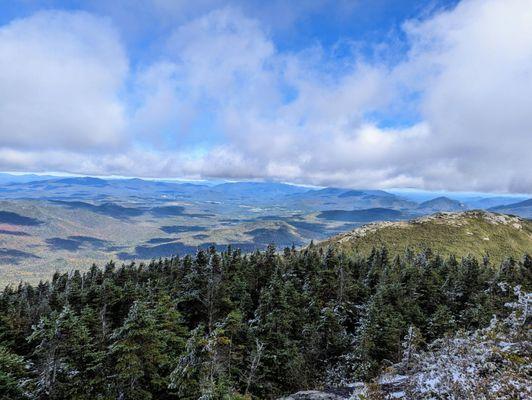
x=138, y=349
x=13, y=375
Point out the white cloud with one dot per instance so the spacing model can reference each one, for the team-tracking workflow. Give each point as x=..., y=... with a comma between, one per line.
x=477, y=64
x=306, y=117
x=60, y=75
x=470, y=67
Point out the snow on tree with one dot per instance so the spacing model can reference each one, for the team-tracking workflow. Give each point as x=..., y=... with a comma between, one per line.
x=490, y=363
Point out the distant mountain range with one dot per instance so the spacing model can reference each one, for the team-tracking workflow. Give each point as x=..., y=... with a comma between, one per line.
x=90, y=188
x=49, y=223
x=522, y=208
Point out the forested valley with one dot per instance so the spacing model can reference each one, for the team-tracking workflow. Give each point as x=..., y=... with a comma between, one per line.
x=228, y=325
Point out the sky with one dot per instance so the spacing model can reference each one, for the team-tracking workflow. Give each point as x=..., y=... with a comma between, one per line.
x=433, y=95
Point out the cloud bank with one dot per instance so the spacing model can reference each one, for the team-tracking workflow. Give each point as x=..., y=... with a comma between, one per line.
x=221, y=100
x=60, y=78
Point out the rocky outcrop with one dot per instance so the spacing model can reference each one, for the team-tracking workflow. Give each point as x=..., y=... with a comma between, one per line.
x=341, y=393
x=314, y=395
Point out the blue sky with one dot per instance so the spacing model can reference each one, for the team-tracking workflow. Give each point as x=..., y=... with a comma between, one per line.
x=424, y=94
x=293, y=24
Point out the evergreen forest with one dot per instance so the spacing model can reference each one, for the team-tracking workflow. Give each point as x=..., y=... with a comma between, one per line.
x=229, y=325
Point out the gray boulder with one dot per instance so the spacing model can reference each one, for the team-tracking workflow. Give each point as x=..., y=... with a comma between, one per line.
x=313, y=395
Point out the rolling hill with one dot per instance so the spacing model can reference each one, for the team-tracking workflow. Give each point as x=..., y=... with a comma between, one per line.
x=471, y=232
x=369, y=215
x=441, y=204
x=346, y=199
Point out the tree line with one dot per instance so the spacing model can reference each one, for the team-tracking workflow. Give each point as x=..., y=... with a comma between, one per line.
x=228, y=325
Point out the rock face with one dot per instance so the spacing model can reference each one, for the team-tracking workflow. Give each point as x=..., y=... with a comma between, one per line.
x=314, y=395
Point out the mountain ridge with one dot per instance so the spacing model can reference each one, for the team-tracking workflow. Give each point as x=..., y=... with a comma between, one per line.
x=521, y=208
x=475, y=232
